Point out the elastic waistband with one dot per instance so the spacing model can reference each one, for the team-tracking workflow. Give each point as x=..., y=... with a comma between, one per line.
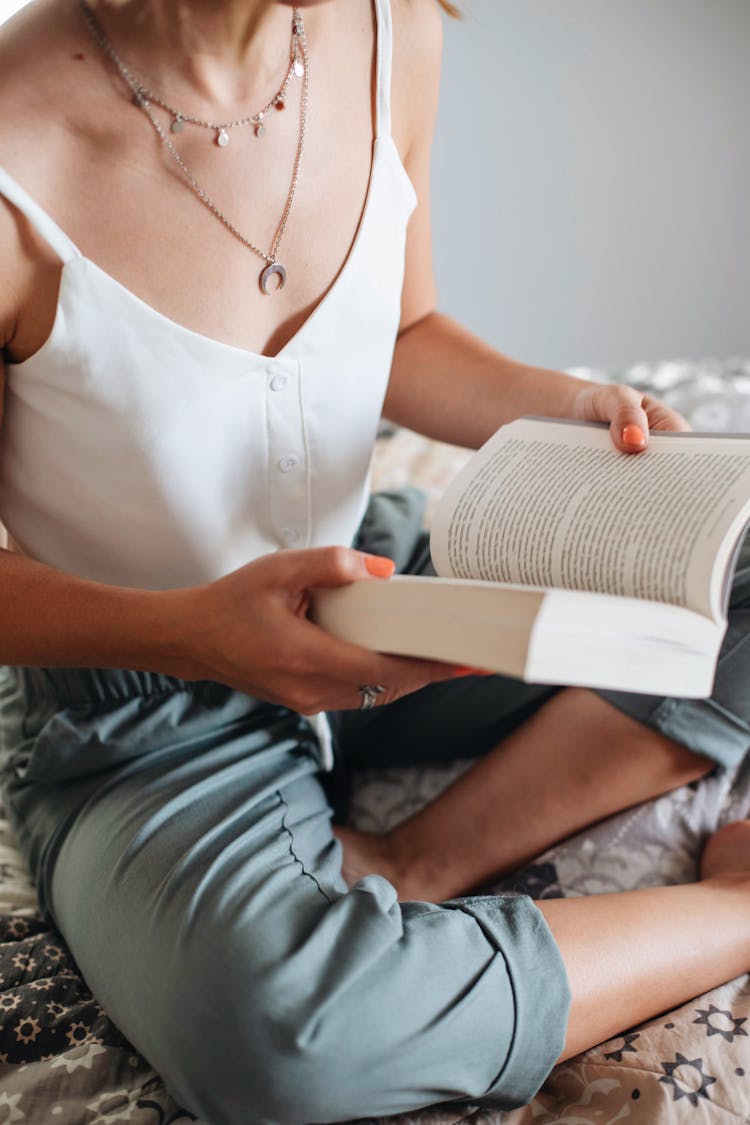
x=75, y=686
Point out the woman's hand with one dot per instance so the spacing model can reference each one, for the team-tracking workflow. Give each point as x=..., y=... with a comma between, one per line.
x=249, y=630
x=630, y=413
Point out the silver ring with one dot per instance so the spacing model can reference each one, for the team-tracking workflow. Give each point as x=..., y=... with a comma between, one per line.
x=369, y=693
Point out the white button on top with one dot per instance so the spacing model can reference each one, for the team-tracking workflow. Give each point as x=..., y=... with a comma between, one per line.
x=286, y=464
x=279, y=382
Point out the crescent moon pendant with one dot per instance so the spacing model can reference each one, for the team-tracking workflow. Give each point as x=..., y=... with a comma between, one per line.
x=268, y=273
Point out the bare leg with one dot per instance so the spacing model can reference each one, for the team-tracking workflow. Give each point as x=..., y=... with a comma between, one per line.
x=575, y=761
x=630, y=956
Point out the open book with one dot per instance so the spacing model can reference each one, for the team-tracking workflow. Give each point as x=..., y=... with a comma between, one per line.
x=564, y=561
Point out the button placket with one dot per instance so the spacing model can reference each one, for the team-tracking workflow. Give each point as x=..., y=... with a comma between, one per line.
x=287, y=452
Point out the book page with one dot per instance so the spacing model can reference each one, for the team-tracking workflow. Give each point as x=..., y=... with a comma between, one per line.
x=554, y=504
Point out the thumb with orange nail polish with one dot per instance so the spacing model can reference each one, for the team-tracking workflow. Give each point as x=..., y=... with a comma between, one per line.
x=379, y=566
x=633, y=437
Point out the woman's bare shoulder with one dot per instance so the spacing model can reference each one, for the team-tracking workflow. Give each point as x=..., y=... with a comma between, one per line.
x=421, y=21
x=31, y=45
x=37, y=49
x=417, y=52
x=37, y=91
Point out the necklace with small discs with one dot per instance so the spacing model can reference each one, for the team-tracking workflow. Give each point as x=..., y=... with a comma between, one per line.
x=145, y=98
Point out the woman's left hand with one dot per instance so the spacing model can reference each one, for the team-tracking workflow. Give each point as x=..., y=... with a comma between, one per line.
x=630, y=414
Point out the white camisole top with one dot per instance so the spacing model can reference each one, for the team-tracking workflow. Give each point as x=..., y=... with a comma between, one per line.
x=137, y=452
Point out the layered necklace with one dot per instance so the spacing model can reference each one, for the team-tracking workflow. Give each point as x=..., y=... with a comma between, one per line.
x=145, y=99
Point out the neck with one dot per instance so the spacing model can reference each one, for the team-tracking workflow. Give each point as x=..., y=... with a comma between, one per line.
x=224, y=52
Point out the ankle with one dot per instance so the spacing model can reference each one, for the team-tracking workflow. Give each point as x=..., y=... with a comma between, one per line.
x=421, y=876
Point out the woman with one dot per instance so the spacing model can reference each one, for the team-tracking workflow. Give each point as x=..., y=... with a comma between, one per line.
x=201, y=324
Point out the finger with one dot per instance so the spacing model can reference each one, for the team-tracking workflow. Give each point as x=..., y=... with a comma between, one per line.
x=628, y=420
x=349, y=664
x=351, y=697
x=663, y=417
x=415, y=670
x=426, y=671
x=328, y=567
x=345, y=667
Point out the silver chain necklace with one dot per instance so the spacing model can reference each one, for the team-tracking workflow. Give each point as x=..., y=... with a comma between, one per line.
x=221, y=128
x=179, y=118
x=143, y=100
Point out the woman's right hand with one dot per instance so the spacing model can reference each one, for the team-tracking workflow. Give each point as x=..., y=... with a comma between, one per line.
x=250, y=630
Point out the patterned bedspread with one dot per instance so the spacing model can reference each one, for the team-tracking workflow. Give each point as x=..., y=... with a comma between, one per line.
x=62, y=1060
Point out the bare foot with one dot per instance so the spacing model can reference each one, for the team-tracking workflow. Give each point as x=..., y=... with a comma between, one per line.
x=366, y=853
x=727, y=852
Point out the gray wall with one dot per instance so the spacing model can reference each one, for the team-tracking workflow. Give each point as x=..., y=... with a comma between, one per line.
x=591, y=178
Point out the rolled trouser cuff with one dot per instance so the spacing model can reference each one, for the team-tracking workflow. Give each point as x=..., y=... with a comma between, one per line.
x=719, y=727
x=541, y=993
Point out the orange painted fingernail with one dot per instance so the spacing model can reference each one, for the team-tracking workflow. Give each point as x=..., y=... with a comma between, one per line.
x=633, y=435
x=464, y=670
x=379, y=566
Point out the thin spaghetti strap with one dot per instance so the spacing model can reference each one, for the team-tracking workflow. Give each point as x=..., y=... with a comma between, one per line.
x=47, y=227
x=384, y=66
